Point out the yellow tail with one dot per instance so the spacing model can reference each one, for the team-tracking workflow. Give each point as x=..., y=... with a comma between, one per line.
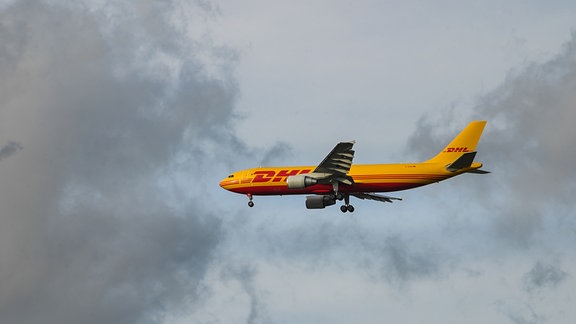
x=464, y=142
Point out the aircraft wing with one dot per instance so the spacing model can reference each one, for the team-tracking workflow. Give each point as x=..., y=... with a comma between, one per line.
x=337, y=163
x=373, y=196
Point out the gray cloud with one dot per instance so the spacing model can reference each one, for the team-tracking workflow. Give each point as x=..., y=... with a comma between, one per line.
x=275, y=154
x=244, y=274
x=527, y=202
x=526, y=143
x=106, y=99
x=510, y=206
x=345, y=245
x=543, y=276
x=9, y=149
x=126, y=107
x=402, y=263
x=520, y=315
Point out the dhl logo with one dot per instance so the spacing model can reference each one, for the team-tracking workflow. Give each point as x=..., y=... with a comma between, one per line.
x=456, y=150
x=270, y=175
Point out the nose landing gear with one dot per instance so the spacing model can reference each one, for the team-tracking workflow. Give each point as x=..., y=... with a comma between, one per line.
x=250, y=203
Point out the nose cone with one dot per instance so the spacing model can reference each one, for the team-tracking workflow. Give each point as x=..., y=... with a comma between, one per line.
x=224, y=183
x=229, y=182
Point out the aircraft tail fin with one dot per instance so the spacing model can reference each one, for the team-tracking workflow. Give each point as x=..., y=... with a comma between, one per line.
x=465, y=142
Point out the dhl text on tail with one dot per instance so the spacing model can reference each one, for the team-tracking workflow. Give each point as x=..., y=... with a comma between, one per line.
x=336, y=178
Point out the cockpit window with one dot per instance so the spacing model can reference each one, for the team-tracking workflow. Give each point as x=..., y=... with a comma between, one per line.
x=231, y=176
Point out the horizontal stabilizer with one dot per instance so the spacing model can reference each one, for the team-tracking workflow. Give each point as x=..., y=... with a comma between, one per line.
x=478, y=171
x=464, y=161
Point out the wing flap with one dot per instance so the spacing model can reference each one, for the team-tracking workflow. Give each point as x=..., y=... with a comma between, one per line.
x=373, y=196
x=342, y=165
x=346, y=181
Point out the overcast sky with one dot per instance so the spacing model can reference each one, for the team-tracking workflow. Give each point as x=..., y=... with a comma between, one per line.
x=119, y=118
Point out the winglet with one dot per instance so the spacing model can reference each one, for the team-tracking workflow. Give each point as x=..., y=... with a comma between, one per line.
x=465, y=142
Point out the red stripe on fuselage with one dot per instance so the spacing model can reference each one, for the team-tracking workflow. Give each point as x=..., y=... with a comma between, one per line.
x=264, y=190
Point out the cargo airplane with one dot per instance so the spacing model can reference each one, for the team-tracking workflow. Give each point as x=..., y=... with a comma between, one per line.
x=335, y=178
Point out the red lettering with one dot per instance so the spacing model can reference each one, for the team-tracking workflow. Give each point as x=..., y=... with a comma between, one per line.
x=266, y=176
x=263, y=176
x=285, y=173
x=456, y=150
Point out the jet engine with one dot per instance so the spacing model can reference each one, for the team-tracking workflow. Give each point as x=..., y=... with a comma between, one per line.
x=300, y=181
x=319, y=202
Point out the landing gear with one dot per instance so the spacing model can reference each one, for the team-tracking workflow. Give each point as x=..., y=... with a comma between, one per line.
x=347, y=207
x=336, y=195
x=339, y=196
x=250, y=203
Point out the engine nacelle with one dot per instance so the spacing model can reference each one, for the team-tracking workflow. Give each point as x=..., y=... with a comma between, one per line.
x=300, y=181
x=319, y=202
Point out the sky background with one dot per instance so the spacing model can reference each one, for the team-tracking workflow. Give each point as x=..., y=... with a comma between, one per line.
x=119, y=118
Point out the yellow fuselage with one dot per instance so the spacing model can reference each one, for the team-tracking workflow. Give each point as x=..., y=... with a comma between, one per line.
x=367, y=178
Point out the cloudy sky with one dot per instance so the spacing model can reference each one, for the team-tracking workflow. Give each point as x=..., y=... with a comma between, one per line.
x=119, y=118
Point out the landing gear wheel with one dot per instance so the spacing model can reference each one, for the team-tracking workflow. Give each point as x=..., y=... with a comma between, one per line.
x=339, y=196
x=350, y=208
x=251, y=203
x=343, y=208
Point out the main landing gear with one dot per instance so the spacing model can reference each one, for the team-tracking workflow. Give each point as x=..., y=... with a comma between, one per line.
x=347, y=207
x=250, y=203
x=339, y=196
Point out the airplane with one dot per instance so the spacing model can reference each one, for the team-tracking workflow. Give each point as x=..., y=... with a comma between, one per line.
x=336, y=178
